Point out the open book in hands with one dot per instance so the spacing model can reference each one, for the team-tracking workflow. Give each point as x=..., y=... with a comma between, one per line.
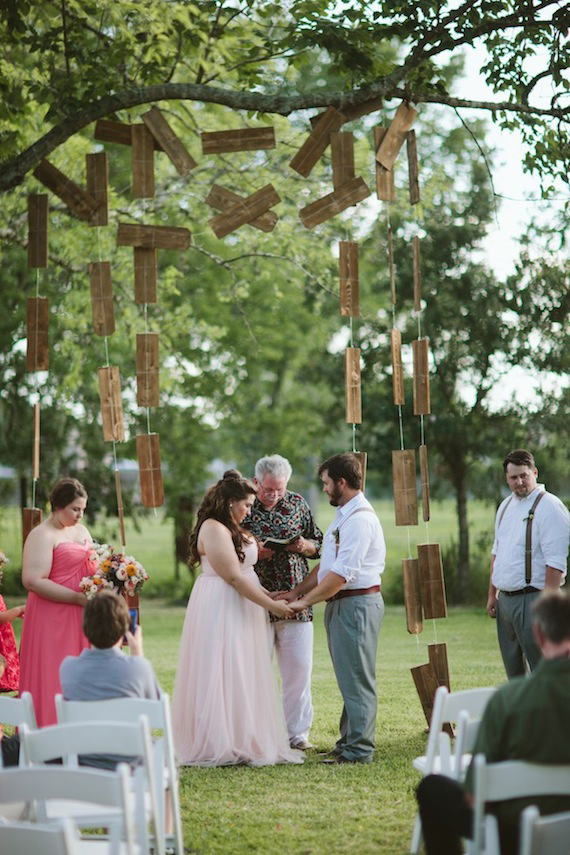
x=278, y=544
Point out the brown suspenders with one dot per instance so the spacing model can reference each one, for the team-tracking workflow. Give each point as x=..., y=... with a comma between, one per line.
x=528, y=540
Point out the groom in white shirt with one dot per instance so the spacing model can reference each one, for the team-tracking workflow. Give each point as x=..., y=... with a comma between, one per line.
x=348, y=578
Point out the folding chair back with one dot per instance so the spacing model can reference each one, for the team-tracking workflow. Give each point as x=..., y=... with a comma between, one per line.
x=19, y=838
x=544, y=835
x=159, y=717
x=18, y=711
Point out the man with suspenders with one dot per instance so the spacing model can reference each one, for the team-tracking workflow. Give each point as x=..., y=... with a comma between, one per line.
x=348, y=578
x=529, y=554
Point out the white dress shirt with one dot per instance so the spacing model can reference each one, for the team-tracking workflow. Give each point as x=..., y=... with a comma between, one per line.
x=550, y=531
x=361, y=557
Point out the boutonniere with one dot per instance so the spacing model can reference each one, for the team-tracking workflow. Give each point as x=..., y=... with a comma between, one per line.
x=530, y=517
x=336, y=535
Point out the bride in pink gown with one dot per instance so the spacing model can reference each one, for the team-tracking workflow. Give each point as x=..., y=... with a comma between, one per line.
x=225, y=707
x=55, y=559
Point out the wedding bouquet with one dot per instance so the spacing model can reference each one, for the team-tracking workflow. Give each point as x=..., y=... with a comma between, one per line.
x=115, y=570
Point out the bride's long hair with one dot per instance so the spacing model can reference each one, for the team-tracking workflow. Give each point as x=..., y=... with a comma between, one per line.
x=216, y=506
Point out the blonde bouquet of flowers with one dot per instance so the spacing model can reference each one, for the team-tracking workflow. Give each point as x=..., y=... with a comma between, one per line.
x=115, y=570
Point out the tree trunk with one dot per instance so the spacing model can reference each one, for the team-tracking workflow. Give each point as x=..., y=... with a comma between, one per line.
x=463, y=550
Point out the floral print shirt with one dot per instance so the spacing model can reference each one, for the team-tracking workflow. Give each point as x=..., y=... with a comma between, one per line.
x=290, y=517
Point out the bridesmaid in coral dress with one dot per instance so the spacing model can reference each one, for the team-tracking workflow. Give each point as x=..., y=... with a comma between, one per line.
x=56, y=557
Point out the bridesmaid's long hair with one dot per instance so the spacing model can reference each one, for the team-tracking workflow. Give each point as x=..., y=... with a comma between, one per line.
x=216, y=506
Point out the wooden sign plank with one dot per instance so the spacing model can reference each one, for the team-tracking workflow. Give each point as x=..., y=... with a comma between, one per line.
x=169, y=141
x=111, y=404
x=363, y=460
x=437, y=655
x=355, y=112
x=412, y=595
x=329, y=206
x=396, y=135
x=240, y=139
x=142, y=162
x=385, y=187
x=431, y=580
x=424, y=480
x=153, y=237
x=97, y=180
x=37, y=351
x=150, y=473
x=145, y=275
x=404, y=476
x=425, y=680
x=391, y=267
x=147, y=370
x=38, y=226
x=352, y=383
x=244, y=211
x=107, y=130
x=416, y=268
x=102, y=306
x=79, y=201
x=342, y=158
x=413, y=170
x=316, y=143
x=422, y=405
x=222, y=199
x=397, y=367
x=36, y=453
x=348, y=275
x=31, y=517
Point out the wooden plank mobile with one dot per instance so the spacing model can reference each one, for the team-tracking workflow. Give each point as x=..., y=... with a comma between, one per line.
x=372, y=105
x=97, y=180
x=222, y=200
x=437, y=654
x=352, y=382
x=342, y=158
x=397, y=367
x=119, y=133
x=317, y=142
x=420, y=352
x=404, y=476
x=169, y=141
x=36, y=451
x=31, y=517
x=413, y=170
x=150, y=473
x=79, y=201
x=396, y=135
x=147, y=370
x=426, y=683
x=412, y=595
x=145, y=275
x=244, y=211
x=363, y=460
x=38, y=225
x=431, y=580
x=111, y=404
x=385, y=188
x=391, y=267
x=142, y=159
x=416, y=268
x=153, y=237
x=102, y=298
x=329, y=206
x=348, y=276
x=424, y=480
x=240, y=139
x=37, y=350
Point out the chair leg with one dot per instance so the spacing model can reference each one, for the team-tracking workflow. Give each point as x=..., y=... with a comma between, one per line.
x=416, y=836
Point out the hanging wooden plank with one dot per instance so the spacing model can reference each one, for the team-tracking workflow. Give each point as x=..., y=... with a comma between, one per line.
x=352, y=383
x=79, y=201
x=142, y=162
x=397, y=367
x=153, y=237
x=145, y=275
x=342, y=158
x=117, y=132
x=404, y=476
x=396, y=135
x=391, y=267
x=412, y=595
x=240, y=139
x=356, y=112
x=420, y=352
x=385, y=187
x=111, y=404
x=426, y=683
x=329, y=206
x=120, y=511
x=348, y=275
x=150, y=473
x=38, y=225
x=363, y=460
x=244, y=211
x=424, y=479
x=97, y=180
x=147, y=370
x=316, y=143
x=437, y=655
x=431, y=580
x=31, y=517
x=36, y=453
x=169, y=141
x=413, y=170
x=222, y=199
x=102, y=306
x=37, y=351
x=417, y=273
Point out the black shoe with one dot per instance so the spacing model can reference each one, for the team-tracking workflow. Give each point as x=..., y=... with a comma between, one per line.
x=340, y=758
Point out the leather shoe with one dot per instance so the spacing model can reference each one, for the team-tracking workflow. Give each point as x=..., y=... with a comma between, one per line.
x=302, y=745
x=339, y=759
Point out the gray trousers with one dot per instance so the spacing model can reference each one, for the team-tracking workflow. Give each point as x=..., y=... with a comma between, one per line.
x=514, y=631
x=353, y=625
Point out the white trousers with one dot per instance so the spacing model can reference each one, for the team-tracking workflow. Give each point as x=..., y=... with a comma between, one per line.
x=293, y=645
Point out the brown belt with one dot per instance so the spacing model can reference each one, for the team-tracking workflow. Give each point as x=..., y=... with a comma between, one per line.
x=354, y=592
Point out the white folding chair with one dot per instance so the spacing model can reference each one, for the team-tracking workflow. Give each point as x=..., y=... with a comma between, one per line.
x=17, y=711
x=544, y=835
x=465, y=709
x=17, y=838
x=68, y=741
x=158, y=714
x=40, y=787
x=513, y=779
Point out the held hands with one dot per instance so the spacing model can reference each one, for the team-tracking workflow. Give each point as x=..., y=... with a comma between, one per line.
x=299, y=605
x=288, y=596
x=299, y=546
x=281, y=609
